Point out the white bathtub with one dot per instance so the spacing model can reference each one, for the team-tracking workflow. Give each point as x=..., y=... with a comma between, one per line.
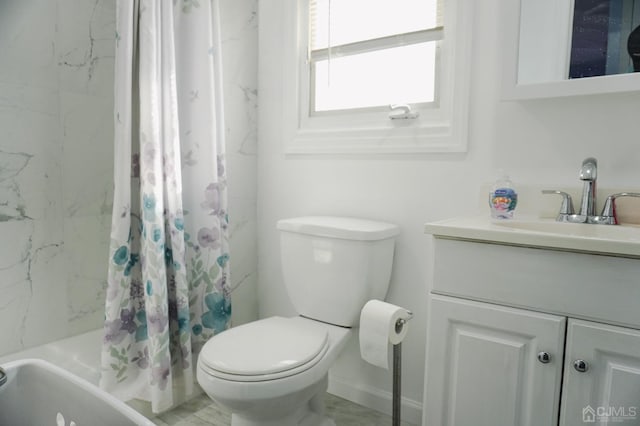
x=80, y=355
x=35, y=392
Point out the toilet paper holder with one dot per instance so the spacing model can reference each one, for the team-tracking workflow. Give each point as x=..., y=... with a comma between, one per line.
x=397, y=371
x=400, y=322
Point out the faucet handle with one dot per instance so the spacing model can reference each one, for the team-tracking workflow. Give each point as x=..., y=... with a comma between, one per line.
x=609, y=215
x=566, y=208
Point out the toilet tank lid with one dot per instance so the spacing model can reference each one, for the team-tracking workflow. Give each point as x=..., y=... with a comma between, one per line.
x=348, y=228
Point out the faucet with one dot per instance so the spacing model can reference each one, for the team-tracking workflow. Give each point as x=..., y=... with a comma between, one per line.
x=589, y=174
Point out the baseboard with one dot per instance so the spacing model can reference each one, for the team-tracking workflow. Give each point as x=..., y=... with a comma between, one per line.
x=375, y=399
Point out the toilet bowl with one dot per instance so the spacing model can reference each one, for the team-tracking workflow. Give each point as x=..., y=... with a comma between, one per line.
x=273, y=372
x=278, y=386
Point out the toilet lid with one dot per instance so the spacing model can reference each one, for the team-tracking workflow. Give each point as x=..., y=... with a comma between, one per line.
x=265, y=347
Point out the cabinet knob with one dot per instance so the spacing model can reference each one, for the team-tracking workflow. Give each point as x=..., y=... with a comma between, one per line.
x=544, y=357
x=580, y=365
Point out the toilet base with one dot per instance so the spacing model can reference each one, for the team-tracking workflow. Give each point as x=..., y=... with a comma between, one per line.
x=311, y=413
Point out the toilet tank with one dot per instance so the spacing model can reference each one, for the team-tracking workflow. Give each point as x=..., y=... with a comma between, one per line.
x=333, y=265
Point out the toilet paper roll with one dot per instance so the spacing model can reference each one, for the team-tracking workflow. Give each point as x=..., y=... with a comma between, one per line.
x=378, y=330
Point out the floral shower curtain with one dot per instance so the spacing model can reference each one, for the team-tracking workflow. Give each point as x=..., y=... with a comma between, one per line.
x=168, y=277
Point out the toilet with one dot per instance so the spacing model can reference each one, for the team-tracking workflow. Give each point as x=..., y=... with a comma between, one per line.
x=273, y=372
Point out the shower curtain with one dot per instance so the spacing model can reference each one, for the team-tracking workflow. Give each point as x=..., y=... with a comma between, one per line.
x=167, y=290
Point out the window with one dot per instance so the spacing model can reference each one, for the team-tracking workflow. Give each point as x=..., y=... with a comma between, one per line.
x=387, y=57
x=347, y=61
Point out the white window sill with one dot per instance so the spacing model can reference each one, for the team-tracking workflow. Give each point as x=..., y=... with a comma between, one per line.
x=434, y=139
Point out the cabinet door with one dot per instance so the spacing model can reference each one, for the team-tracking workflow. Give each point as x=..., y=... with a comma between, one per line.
x=608, y=392
x=482, y=365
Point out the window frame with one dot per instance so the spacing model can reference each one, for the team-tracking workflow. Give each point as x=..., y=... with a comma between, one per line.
x=372, y=45
x=440, y=128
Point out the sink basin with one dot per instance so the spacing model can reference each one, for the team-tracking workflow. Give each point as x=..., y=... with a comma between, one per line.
x=39, y=393
x=614, y=240
x=581, y=230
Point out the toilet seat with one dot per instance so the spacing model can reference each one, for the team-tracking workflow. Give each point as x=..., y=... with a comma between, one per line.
x=268, y=349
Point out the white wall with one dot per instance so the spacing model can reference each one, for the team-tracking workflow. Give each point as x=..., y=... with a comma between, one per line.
x=56, y=163
x=538, y=142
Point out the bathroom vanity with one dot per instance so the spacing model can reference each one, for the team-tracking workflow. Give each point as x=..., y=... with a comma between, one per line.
x=533, y=323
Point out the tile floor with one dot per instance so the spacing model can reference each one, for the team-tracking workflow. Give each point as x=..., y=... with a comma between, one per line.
x=201, y=411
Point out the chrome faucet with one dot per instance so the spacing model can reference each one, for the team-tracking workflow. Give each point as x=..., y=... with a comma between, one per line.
x=588, y=174
x=587, y=214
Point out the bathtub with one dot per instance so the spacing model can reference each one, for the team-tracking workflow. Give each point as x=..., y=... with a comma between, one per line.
x=34, y=392
x=80, y=355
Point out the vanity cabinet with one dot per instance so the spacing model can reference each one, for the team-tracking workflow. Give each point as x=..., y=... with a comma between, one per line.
x=490, y=365
x=531, y=336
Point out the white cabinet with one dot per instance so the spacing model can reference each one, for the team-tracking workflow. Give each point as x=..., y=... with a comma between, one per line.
x=486, y=366
x=483, y=368
x=608, y=392
x=495, y=304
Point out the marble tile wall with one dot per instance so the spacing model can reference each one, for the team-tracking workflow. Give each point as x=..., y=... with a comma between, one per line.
x=239, y=25
x=56, y=163
x=56, y=176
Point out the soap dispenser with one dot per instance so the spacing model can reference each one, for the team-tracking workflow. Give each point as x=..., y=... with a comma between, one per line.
x=503, y=198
